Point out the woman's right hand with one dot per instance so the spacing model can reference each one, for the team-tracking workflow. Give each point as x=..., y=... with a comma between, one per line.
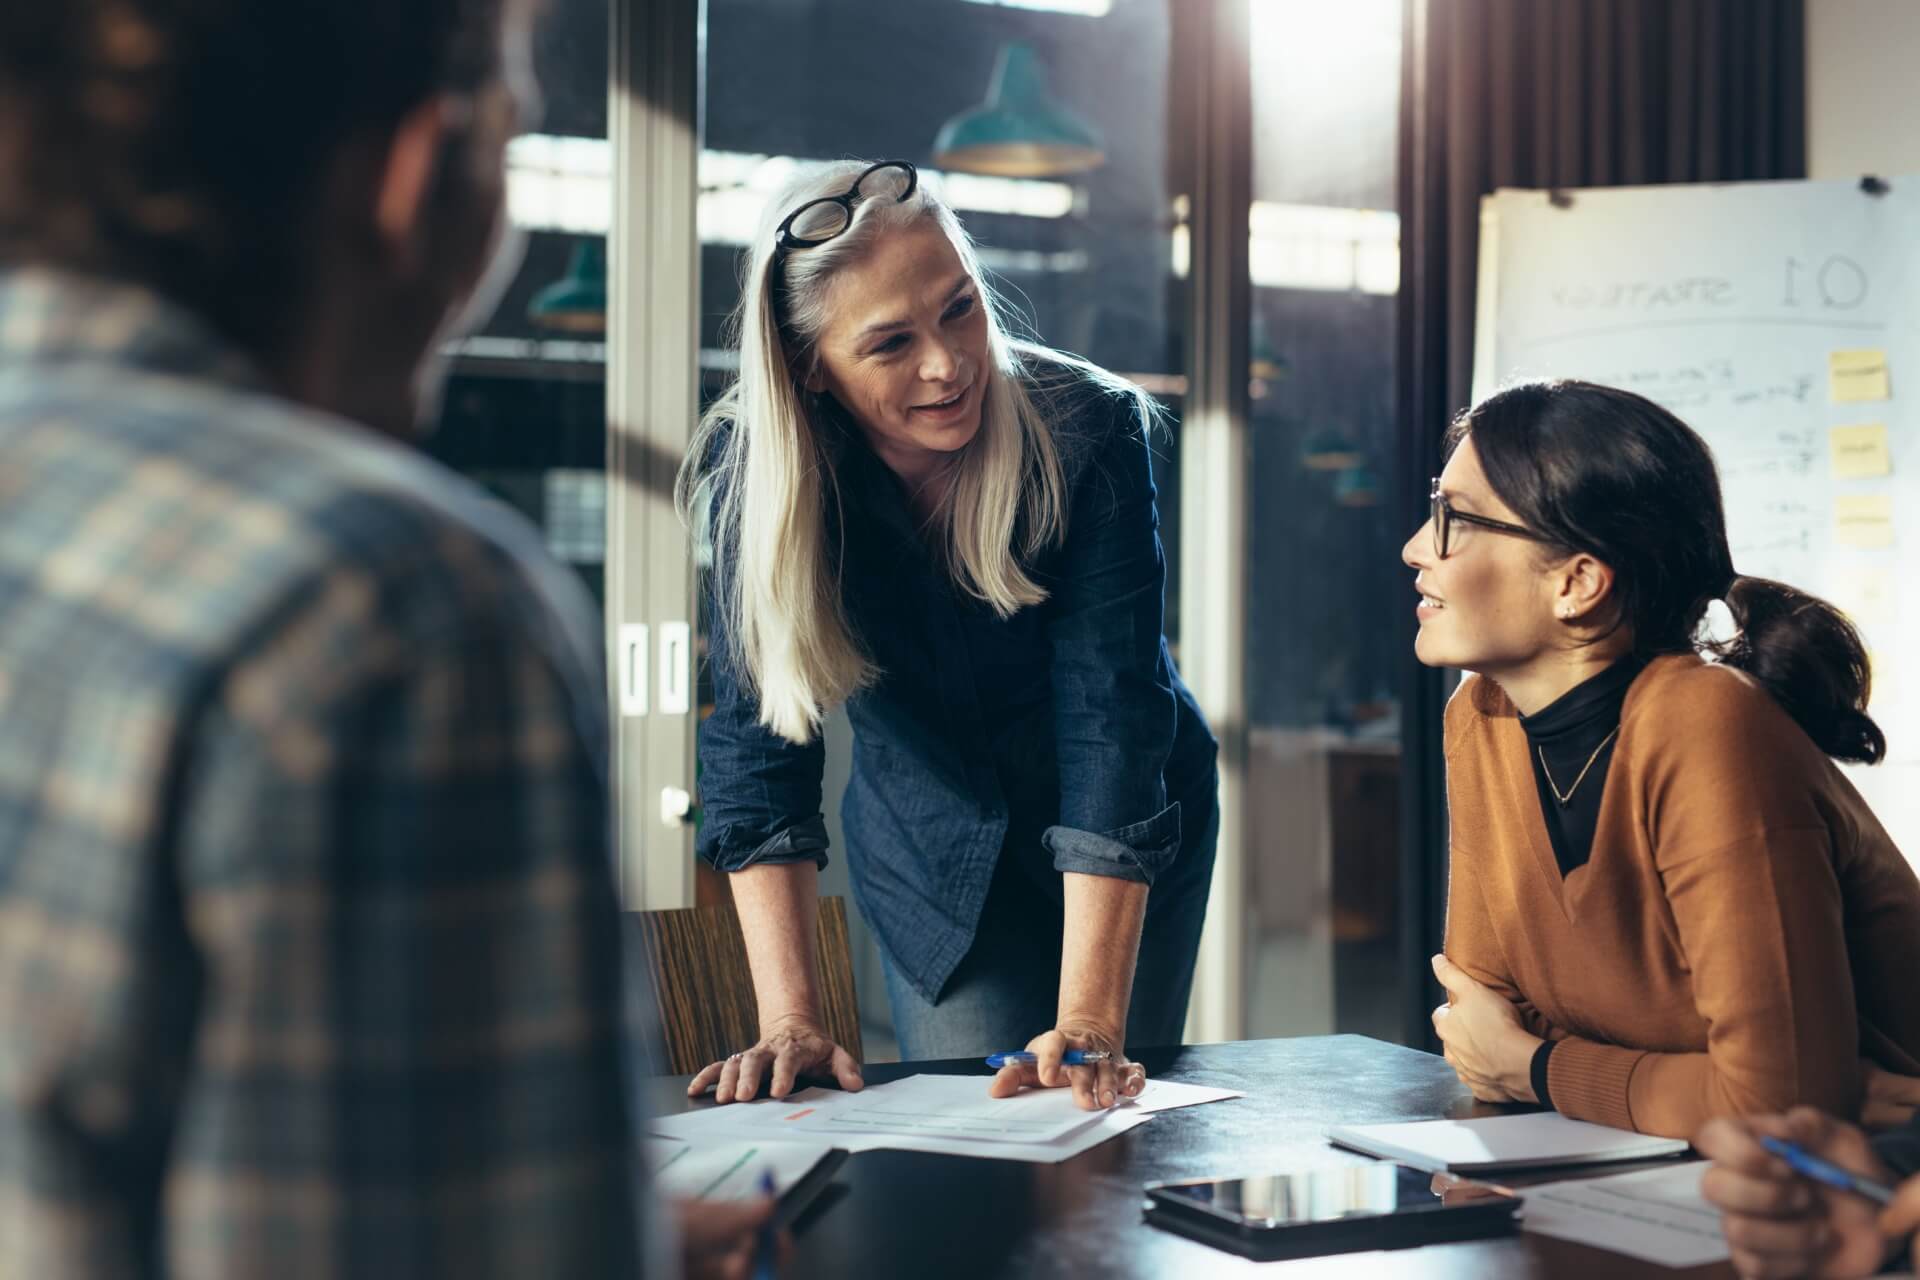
x=788, y=1049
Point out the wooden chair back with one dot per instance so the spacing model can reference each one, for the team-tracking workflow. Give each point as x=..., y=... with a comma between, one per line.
x=704, y=989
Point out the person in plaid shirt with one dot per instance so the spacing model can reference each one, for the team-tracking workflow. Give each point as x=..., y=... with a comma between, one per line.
x=309, y=943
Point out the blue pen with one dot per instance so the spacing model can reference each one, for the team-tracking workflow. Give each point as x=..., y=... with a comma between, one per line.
x=1802, y=1161
x=1072, y=1058
x=767, y=1254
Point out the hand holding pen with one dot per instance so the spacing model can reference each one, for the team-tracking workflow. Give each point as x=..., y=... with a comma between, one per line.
x=1825, y=1172
x=731, y=1239
x=766, y=1248
x=1078, y=1055
x=1800, y=1194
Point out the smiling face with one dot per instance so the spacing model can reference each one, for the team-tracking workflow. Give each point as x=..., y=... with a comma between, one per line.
x=1491, y=605
x=905, y=349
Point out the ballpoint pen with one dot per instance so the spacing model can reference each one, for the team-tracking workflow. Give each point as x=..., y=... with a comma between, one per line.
x=1804, y=1162
x=1071, y=1058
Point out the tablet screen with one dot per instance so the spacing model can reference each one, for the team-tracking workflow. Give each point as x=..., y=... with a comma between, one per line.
x=1323, y=1195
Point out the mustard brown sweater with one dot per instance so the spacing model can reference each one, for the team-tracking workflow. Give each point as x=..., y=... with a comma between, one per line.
x=1743, y=933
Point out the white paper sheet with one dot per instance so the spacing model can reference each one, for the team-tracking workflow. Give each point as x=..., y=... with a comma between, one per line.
x=1490, y=1143
x=939, y=1106
x=940, y=1114
x=1656, y=1215
x=1110, y=1124
x=728, y=1170
x=946, y=1107
x=1165, y=1095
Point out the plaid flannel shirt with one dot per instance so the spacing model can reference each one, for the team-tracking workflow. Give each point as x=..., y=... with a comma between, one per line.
x=308, y=936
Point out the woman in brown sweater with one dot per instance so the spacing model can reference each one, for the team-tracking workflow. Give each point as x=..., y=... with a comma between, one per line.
x=1666, y=902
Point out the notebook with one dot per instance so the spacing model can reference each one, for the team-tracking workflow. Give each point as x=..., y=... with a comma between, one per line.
x=1533, y=1141
x=732, y=1171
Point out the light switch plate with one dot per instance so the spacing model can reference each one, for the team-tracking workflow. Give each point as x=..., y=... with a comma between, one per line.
x=630, y=668
x=676, y=668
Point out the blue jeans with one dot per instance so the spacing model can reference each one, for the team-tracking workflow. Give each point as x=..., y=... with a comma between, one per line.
x=1006, y=989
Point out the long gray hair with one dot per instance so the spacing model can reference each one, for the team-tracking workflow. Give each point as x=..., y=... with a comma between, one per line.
x=756, y=482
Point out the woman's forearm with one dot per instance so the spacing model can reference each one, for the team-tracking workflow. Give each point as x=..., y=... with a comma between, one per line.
x=779, y=906
x=1103, y=921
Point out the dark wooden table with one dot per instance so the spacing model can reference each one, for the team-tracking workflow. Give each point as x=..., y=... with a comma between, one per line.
x=902, y=1213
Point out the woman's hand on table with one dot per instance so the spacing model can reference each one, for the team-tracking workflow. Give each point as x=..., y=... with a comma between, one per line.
x=787, y=1050
x=1486, y=1044
x=1780, y=1224
x=1095, y=1087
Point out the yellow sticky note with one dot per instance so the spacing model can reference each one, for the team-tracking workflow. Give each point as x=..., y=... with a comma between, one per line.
x=1863, y=520
x=1858, y=375
x=1860, y=453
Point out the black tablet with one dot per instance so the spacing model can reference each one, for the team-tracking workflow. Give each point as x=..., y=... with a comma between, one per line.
x=1332, y=1210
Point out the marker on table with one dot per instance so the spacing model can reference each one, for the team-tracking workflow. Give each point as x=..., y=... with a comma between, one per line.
x=1805, y=1163
x=1071, y=1058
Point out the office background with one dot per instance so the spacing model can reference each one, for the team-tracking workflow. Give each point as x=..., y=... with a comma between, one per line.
x=1271, y=243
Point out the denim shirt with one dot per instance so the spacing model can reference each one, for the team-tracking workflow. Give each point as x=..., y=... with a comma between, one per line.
x=1062, y=732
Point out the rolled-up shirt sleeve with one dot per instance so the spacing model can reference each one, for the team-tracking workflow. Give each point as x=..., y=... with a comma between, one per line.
x=1114, y=709
x=759, y=793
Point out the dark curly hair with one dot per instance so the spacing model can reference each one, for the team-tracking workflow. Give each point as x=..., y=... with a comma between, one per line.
x=1601, y=470
x=179, y=144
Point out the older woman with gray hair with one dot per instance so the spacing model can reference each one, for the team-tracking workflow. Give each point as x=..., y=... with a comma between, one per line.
x=953, y=534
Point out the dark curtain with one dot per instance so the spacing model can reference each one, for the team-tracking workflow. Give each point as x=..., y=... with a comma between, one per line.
x=1545, y=93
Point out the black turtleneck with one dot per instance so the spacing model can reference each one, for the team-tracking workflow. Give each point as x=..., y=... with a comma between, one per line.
x=1577, y=727
x=1566, y=735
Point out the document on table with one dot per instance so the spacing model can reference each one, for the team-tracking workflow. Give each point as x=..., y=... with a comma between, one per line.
x=958, y=1107
x=729, y=1170
x=764, y=1120
x=947, y=1107
x=1656, y=1215
x=1492, y=1143
x=946, y=1114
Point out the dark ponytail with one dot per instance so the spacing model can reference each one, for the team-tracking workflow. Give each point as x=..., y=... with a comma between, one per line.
x=1810, y=658
x=1604, y=471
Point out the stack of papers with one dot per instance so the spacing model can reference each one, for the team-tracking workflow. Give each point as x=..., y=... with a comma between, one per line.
x=949, y=1115
x=1535, y=1141
x=1656, y=1215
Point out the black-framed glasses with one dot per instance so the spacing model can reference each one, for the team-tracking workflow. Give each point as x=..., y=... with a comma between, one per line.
x=818, y=221
x=1443, y=518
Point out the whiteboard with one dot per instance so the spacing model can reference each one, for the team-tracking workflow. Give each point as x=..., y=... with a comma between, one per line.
x=1727, y=304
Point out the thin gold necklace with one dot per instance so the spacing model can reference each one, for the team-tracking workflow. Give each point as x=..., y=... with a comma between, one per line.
x=1567, y=799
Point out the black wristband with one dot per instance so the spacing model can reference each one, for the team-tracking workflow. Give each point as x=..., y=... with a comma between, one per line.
x=1538, y=1073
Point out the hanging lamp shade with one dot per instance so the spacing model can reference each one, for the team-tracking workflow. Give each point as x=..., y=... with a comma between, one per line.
x=1357, y=487
x=1020, y=131
x=577, y=302
x=1329, y=450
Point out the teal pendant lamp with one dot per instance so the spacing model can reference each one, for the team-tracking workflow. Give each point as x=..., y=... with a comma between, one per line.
x=577, y=302
x=1357, y=487
x=1329, y=450
x=1020, y=131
